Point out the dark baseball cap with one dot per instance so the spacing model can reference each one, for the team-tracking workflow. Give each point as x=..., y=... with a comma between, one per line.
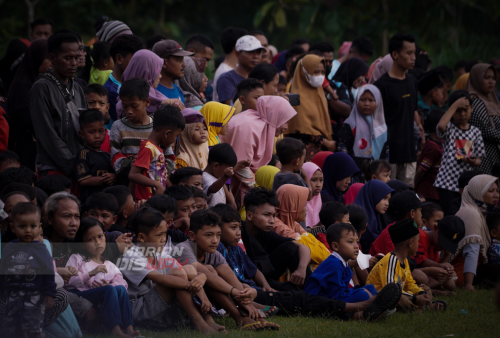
x=451, y=230
x=166, y=48
x=403, y=202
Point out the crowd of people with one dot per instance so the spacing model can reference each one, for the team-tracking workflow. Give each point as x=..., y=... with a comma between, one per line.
x=137, y=194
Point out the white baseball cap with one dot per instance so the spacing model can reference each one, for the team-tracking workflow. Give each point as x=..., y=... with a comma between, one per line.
x=248, y=43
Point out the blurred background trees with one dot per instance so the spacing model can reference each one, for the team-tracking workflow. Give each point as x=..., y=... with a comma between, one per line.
x=448, y=29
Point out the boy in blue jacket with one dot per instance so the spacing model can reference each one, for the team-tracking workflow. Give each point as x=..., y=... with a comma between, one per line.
x=331, y=278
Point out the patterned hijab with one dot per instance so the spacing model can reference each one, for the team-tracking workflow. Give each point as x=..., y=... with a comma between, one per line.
x=475, y=86
x=370, y=132
x=192, y=80
x=216, y=115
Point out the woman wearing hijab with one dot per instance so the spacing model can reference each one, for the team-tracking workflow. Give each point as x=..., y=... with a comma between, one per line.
x=193, y=82
x=9, y=64
x=217, y=116
x=21, y=139
x=319, y=158
x=145, y=65
x=192, y=151
x=470, y=260
x=374, y=198
x=381, y=68
x=486, y=112
x=352, y=74
x=364, y=133
x=315, y=176
x=312, y=123
x=291, y=210
x=352, y=192
x=338, y=170
x=251, y=134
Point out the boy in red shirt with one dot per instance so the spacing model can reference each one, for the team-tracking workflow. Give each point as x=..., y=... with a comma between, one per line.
x=149, y=172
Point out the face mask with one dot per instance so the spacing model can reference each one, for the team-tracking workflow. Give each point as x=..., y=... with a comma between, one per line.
x=314, y=81
x=354, y=92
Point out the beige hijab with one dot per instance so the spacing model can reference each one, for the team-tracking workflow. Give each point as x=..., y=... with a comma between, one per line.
x=312, y=114
x=195, y=155
x=476, y=230
x=475, y=85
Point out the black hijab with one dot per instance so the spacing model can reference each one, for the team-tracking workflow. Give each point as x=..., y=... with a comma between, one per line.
x=26, y=75
x=349, y=71
x=10, y=62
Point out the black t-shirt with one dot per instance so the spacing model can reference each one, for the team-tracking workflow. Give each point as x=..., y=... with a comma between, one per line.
x=259, y=247
x=400, y=102
x=90, y=163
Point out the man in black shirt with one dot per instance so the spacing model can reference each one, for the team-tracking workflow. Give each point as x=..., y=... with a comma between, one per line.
x=399, y=94
x=271, y=253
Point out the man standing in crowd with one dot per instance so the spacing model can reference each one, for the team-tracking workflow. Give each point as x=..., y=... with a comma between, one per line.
x=399, y=94
x=55, y=104
x=228, y=42
x=41, y=29
x=201, y=46
x=248, y=52
x=266, y=54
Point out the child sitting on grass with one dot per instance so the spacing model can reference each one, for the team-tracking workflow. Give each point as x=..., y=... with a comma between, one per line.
x=161, y=294
x=493, y=222
x=200, y=199
x=9, y=159
x=168, y=207
x=186, y=205
x=92, y=166
x=394, y=267
x=290, y=302
x=97, y=98
x=192, y=146
x=99, y=280
x=221, y=160
x=103, y=207
x=431, y=215
x=331, y=213
x=27, y=275
x=331, y=278
x=126, y=204
x=149, y=171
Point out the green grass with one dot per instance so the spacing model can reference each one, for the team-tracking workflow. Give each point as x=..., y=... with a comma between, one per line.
x=482, y=320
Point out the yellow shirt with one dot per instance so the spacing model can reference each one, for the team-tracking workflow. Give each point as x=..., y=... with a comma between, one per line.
x=390, y=270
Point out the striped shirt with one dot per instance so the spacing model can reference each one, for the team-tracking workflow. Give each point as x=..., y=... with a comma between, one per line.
x=390, y=270
x=125, y=140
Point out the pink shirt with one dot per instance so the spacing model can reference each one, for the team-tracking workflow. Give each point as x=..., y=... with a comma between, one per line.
x=83, y=281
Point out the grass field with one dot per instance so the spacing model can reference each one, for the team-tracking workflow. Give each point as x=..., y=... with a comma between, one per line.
x=481, y=320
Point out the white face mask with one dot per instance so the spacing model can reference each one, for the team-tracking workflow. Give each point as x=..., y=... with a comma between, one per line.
x=314, y=81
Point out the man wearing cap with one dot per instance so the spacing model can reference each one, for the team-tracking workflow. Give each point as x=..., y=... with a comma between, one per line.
x=430, y=89
x=249, y=51
x=173, y=68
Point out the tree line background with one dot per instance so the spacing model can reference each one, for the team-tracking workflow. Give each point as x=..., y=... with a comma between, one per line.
x=449, y=30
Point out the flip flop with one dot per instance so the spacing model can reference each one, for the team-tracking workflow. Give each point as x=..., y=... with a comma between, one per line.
x=248, y=327
x=267, y=308
x=270, y=326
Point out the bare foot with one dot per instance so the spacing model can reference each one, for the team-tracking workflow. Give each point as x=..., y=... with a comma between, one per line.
x=267, y=324
x=203, y=327
x=210, y=321
x=130, y=331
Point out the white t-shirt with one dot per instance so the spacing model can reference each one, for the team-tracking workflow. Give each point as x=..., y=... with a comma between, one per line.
x=223, y=68
x=213, y=199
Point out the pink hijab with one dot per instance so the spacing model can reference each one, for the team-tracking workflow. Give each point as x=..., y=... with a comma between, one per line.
x=352, y=192
x=145, y=65
x=314, y=205
x=344, y=49
x=251, y=133
x=381, y=68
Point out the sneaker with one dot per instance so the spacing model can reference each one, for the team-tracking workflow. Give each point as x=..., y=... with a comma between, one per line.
x=386, y=299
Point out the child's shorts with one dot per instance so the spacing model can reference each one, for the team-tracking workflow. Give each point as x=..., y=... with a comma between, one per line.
x=24, y=310
x=150, y=311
